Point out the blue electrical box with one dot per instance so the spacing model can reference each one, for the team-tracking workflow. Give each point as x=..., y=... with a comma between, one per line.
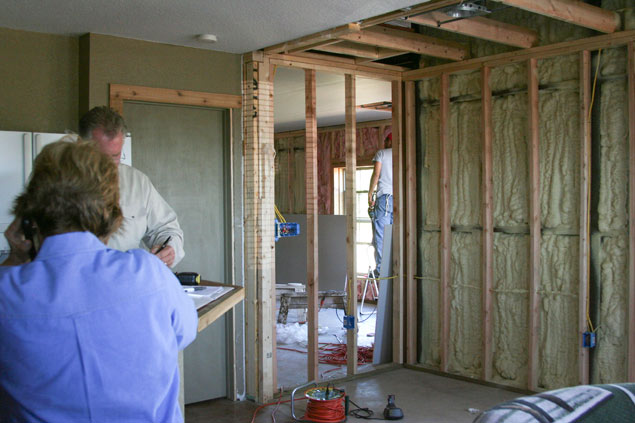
x=286, y=229
x=349, y=322
x=588, y=339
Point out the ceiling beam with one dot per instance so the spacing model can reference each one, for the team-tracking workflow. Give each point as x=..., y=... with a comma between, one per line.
x=479, y=27
x=572, y=11
x=407, y=11
x=348, y=60
x=408, y=41
x=313, y=40
x=359, y=50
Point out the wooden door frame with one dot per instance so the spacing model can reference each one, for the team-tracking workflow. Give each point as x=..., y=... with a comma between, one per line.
x=118, y=93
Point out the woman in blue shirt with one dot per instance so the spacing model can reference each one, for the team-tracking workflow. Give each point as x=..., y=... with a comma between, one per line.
x=88, y=333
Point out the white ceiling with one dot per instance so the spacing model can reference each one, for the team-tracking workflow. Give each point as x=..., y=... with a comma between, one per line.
x=240, y=25
x=288, y=99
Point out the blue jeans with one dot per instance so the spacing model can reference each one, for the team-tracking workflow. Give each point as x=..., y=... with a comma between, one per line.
x=383, y=215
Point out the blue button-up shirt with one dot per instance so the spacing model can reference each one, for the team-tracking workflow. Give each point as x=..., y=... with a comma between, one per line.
x=90, y=334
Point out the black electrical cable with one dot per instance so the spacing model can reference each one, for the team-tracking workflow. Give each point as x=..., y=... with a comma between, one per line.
x=362, y=412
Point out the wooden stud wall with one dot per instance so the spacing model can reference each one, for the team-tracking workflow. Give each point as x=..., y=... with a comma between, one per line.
x=446, y=234
x=585, y=192
x=351, y=224
x=488, y=222
x=534, y=222
x=398, y=238
x=259, y=237
x=311, y=182
x=411, y=222
x=631, y=219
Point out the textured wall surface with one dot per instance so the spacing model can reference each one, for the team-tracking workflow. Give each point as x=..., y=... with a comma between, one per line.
x=611, y=365
x=510, y=304
x=465, y=162
x=509, y=145
x=465, y=304
x=558, y=336
x=560, y=202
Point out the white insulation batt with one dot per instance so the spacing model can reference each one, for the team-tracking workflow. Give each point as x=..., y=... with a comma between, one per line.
x=558, y=332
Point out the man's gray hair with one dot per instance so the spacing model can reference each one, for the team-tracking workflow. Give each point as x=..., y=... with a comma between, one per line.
x=102, y=117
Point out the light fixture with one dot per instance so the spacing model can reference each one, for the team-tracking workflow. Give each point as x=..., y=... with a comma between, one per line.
x=207, y=38
x=467, y=9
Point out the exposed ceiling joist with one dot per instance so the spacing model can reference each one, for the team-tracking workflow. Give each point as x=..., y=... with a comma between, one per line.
x=348, y=60
x=408, y=11
x=479, y=27
x=407, y=41
x=572, y=11
x=314, y=40
x=359, y=50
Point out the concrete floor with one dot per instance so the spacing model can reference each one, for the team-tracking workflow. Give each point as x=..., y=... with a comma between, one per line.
x=292, y=365
x=422, y=396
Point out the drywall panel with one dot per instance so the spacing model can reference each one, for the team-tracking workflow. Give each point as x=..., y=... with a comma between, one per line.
x=509, y=169
x=465, y=159
x=610, y=353
x=510, y=301
x=291, y=252
x=429, y=299
x=430, y=174
x=558, y=292
x=465, y=304
x=560, y=160
x=613, y=195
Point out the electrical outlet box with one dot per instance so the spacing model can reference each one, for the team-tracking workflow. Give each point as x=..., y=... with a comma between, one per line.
x=588, y=339
x=349, y=322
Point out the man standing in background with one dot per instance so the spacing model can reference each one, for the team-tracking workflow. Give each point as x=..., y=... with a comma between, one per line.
x=382, y=203
x=147, y=216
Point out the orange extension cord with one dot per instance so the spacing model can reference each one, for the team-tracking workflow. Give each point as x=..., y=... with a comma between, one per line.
x=336, y=354
x=323, y=411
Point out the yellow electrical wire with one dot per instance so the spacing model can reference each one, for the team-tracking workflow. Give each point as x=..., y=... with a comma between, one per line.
x=279, y=215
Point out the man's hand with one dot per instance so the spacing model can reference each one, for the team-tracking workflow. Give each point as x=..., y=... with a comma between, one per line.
x=371, y=201
x=166, y=255
x=20, y=246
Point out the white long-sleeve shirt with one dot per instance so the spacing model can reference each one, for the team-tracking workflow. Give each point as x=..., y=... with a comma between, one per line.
x=148, y=218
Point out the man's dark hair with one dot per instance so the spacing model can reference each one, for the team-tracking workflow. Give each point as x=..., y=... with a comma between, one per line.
x=73, y=187
x=102, y=117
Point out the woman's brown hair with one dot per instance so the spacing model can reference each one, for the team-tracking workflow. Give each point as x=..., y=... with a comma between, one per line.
x=73, y=187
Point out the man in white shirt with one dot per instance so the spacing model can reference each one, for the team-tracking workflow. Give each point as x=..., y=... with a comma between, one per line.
x=148, y=218
x=382, y=179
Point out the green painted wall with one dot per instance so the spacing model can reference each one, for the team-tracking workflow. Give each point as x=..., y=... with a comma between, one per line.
x=39, y=84
x=133, y=62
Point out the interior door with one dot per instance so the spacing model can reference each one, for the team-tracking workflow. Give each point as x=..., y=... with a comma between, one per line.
x=184, y=150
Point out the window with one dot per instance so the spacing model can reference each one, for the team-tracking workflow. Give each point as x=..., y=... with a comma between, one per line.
x=364, y=246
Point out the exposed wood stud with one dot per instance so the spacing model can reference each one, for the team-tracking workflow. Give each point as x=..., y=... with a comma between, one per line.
x=585, y=192
x=258, y=242
x=312, y=277
x=311, y=40
x=411, y=223
x=446, y=234
x=631, y=220
x=483, y=28
x=333, y=66
x=359, y=50
x=119, y=93
x=351, y=221
x=542, y=52
x=398, y=225
x=572, y=11
x=488, y=222
x=534, y=223
x=408, y=41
